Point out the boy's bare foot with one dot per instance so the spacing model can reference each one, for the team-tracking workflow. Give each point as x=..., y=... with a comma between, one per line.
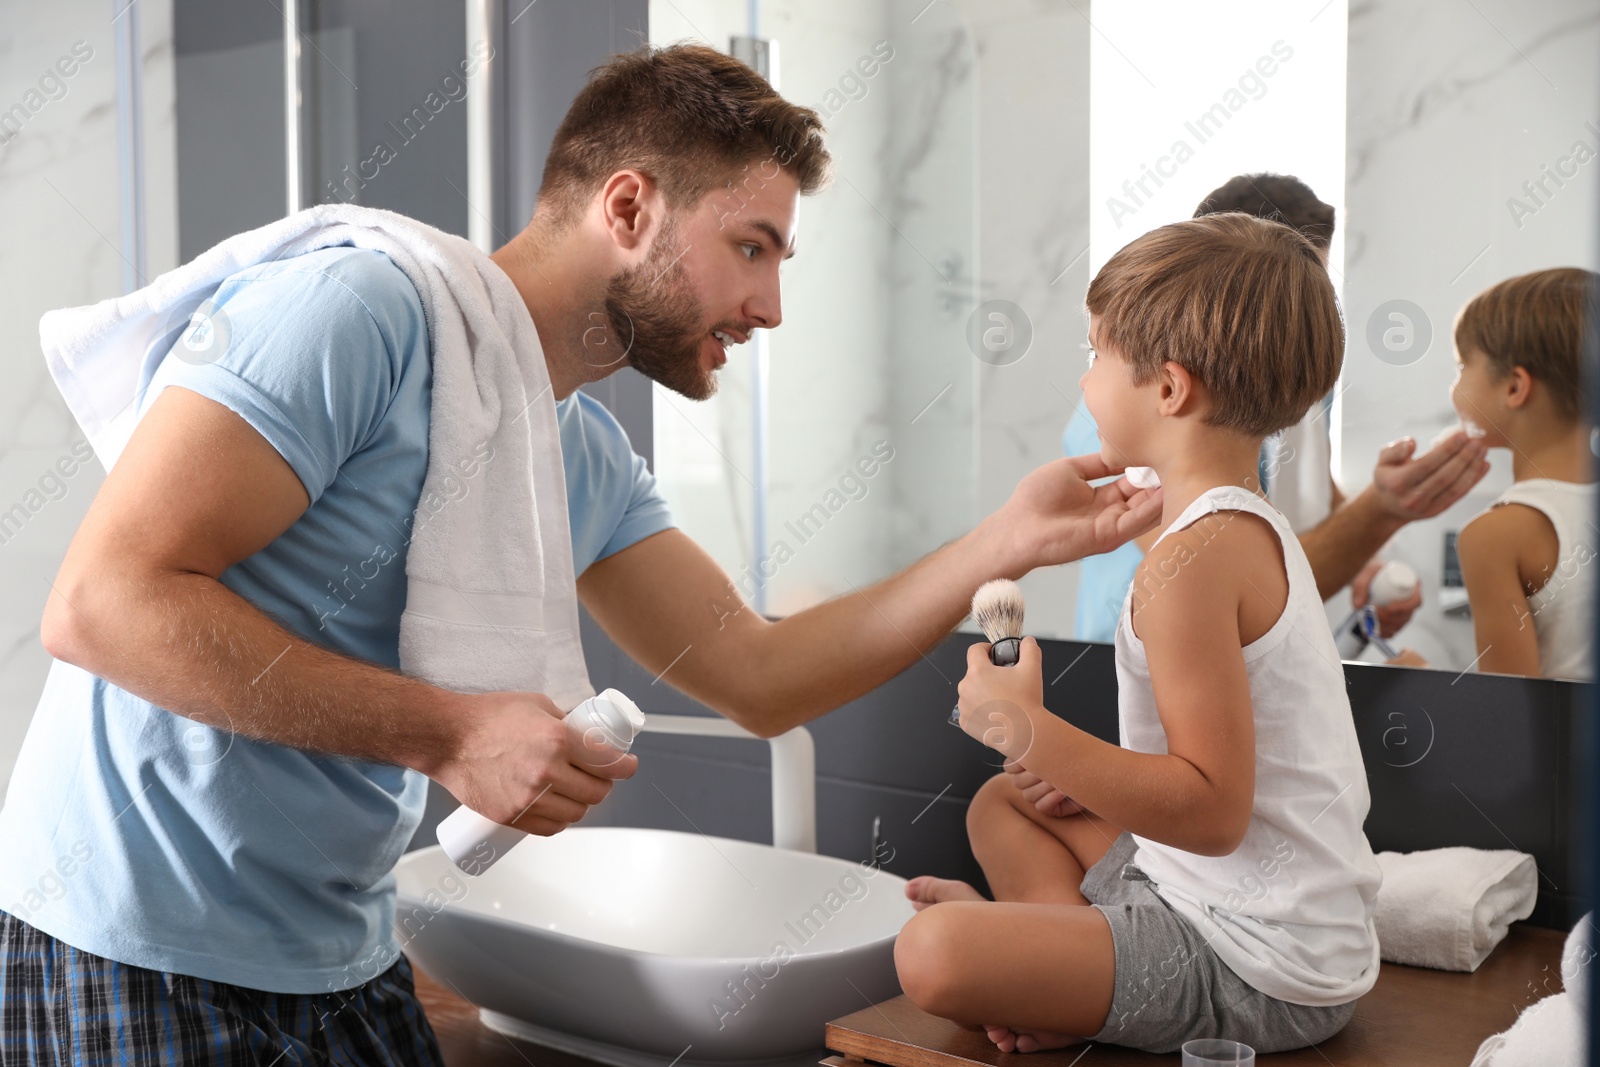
x=1008, y=1039
x=925, y=889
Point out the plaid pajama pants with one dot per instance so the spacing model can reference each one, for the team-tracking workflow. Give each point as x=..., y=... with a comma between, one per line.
x=61, y=1006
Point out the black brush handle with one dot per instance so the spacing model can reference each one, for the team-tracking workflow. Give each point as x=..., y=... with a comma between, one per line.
x=1003, y=653
x=1006, y=651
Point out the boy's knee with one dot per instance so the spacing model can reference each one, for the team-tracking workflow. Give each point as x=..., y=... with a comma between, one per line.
x=992, y=796
x=925, y=960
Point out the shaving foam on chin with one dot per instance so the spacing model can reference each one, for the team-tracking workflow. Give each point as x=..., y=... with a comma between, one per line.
x=1468, y=427
x=1143, y=477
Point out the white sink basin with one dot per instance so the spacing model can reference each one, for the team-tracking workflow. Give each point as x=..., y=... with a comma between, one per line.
x=671, y=944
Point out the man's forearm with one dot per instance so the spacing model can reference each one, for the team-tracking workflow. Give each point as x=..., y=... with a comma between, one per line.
x=1340, y=545
x=188, y=644
x=815, y=660
x=674, y=610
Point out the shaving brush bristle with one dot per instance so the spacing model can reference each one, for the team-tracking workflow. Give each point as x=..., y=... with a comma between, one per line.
x=997, y=609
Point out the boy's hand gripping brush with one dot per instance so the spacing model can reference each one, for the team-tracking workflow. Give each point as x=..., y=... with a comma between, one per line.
x=997, y=609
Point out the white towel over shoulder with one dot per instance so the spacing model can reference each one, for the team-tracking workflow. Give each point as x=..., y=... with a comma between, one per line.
x=1449, y=907
x=491, y=600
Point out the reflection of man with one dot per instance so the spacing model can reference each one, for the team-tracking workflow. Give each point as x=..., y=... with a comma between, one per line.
x=1341, y=537
x=236, y=904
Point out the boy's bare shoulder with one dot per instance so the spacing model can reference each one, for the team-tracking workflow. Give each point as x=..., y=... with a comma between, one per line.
x=1508, y=537
x=1504, y=530
x=1215, y=550
x=1224, y=570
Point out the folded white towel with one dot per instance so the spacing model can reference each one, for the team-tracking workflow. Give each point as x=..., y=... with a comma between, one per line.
x=1449, y=907
x=491, y=602
x=1550, y=1032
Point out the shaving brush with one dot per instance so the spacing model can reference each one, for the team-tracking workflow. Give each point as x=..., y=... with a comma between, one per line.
x=997, y=609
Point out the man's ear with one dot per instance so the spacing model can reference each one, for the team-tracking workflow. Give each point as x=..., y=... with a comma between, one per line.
x=1518, y=386
x=1179, y=390
x=629, y=209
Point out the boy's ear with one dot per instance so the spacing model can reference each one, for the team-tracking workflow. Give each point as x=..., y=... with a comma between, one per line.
x=1519, y=387
x=1178, y=391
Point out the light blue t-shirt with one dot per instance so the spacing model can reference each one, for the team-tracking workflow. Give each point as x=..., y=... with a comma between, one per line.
x=1103, y=580
x=146, y=837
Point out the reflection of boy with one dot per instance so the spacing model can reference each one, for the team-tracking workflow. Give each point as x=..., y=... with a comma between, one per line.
x=1220, y=845
x=1295, y=471
x=1525, y=561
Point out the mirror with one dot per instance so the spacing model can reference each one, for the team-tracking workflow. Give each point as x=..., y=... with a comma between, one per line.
x=861, y=458
x=989, y=159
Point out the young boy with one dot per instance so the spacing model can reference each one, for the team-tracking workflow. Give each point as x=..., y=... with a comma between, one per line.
x=1527, y=561
x=1220, y=846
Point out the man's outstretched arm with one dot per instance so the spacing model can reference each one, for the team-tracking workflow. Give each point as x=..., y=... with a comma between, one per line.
x=673, y=609
x=1404, y=489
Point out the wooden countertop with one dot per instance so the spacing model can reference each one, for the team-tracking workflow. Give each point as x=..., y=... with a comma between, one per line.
x=1413, y=1016
x=466, y=1042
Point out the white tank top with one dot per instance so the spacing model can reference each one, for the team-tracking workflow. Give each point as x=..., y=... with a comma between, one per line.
x=1563, y=608
x=1291, y=909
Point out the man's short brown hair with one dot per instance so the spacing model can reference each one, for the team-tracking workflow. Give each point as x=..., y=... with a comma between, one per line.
x=1280, y=197
x=1241, y=303
x=688, y=116
x=1534, y=321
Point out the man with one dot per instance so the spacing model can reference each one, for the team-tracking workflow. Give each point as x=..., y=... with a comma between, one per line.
x=226, y=763
x=1341, y=537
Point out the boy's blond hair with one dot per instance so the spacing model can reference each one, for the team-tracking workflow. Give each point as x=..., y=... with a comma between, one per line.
x=1534, y=321
x=1243, y=304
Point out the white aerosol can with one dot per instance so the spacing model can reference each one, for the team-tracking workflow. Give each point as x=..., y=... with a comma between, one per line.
x=603, y=728
x=1394, y=582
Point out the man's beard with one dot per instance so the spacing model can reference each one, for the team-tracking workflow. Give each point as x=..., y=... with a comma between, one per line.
x=652, y=306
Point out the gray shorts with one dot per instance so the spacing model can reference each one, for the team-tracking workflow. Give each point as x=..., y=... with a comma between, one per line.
x=1172, y=987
